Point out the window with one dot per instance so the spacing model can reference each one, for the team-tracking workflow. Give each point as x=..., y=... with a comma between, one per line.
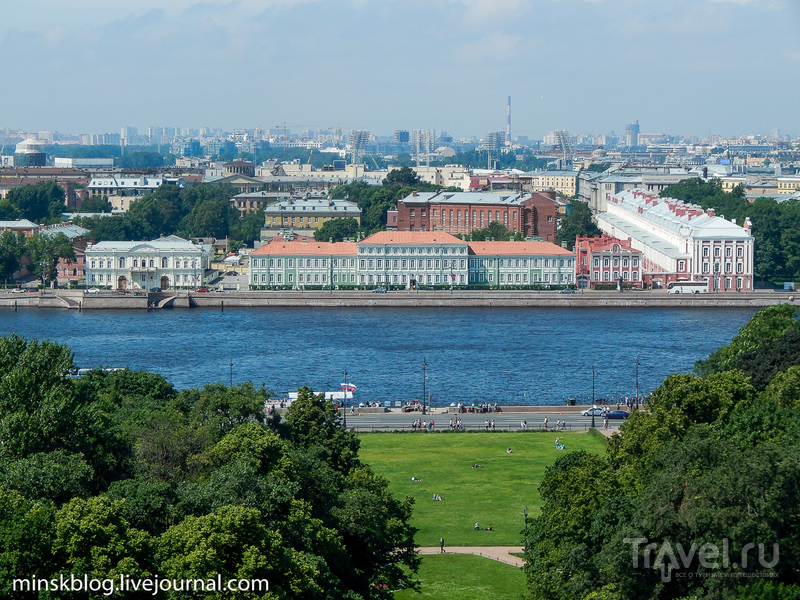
x=164, y=262
x=363, y=264
x=716, y=251
x=705, y=252
x=739, y=251
x=728, y=251
x=290, y=278
x=635, y=262
x=596, y=262
x=549, y=218
x=635, y=275
x=681, y=265
x=739, y=268
x=705, y=267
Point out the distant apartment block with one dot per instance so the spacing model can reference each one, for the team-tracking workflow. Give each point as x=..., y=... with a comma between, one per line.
x=562, y=182
x=131, y=185
x=308, y=212
x=680, y=241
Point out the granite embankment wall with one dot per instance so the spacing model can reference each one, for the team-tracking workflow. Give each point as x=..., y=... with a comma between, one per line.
x=75, y=299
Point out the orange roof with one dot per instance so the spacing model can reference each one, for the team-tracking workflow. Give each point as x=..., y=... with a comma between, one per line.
x=300, y=248
x=528, y=248
x=412, y=237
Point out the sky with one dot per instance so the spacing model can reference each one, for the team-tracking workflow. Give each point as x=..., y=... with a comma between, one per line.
x=688, y=67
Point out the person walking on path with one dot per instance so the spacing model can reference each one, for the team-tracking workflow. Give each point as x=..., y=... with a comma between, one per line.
x=441, y=545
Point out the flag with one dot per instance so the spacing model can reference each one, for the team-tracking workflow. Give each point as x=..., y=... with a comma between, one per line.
x=348, y=387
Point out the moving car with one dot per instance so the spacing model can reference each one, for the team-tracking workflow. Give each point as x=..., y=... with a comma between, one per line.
x=380, y=290
x=155, y=289
x=618, y=414
x=567, y=291
x=202, y=291
x=595, y=410
x=93, y=291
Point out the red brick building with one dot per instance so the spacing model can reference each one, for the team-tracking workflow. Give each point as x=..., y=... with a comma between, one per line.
x=606, y=260
x=532, y=214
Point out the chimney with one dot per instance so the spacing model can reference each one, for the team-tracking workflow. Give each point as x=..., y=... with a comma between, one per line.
x=748, y=225
x=710, y=212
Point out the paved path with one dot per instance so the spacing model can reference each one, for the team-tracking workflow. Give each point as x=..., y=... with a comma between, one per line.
x=499, y=553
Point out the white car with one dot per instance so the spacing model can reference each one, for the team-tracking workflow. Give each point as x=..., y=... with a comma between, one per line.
x=92, y=291
x=595, y=410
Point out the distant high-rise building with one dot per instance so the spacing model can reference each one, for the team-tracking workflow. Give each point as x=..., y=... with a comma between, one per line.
x=401, y=136
x=493, y=141
x=632, y=134
x=423, y=140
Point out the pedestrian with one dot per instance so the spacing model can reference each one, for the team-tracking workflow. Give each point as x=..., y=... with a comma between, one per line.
x=545, y=422
x=441, y=545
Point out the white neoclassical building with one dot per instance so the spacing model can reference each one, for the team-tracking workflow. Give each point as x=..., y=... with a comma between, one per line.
x=165, y=263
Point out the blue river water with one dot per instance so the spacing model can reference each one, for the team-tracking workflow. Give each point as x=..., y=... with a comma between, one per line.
x=503, y=355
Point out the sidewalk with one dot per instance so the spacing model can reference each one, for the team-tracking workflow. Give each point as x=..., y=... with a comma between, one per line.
x=498, y=553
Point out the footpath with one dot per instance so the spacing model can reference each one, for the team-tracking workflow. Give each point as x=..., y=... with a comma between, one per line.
x=498, y=553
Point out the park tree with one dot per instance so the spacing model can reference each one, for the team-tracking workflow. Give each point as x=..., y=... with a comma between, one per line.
x=765, y=326
x=96, y=204
x=337, y=230
x=39, y=202
x=578, y=222
x=405, y=176
x=45, y=251
x=12, y=249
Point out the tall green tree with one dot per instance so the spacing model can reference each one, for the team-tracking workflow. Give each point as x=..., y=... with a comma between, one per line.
x=45, y=251
x=39, y=202
x=579, y=221
x=12, y=249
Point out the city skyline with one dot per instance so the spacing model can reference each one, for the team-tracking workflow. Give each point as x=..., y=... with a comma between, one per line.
x=719, y=67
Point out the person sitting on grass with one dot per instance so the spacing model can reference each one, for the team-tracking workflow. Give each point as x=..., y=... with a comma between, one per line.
x=476, y=466
x=508, y=451
x=477, y=527
x=415, y=479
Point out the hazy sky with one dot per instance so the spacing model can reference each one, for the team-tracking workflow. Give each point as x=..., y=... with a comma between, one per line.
x=590, y=66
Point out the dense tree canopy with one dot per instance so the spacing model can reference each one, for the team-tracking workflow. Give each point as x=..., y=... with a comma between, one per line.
x=577, y=222
x=194, y=211
x=695, y=497
x=117, y=473
x=41, y=202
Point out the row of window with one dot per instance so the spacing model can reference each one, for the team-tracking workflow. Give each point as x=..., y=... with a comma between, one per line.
x=728, y=251
x=634, y=276
x=412, y=250
x=728, y=267
x=300, y=220
x=625, y=261
x=521, y=278
x=109, y=263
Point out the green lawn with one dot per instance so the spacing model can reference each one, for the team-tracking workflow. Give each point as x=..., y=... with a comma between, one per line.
x=450, y=576
x=493, y=494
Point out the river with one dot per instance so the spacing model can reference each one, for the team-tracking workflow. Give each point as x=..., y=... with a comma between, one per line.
x=503, y=355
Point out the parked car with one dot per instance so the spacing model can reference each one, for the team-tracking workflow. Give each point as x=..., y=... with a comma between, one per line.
x=155, y=289
x=618, y=414
x=202, y=291
x=595, y=410
x=567, y=291
x=32, y=290
x=231, y=273
x=93, y=291
x=18, y=291
x=122, y=291
x=380, y=290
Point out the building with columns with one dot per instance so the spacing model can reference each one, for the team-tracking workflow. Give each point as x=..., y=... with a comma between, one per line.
x=681, y=241
x=166, y=263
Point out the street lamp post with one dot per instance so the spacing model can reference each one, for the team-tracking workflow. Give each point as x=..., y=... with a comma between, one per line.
x=345, y=397
x=592, y=409
x=636, y=402
x=424, y=366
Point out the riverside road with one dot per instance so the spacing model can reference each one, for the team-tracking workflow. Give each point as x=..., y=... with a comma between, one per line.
x=365, y=420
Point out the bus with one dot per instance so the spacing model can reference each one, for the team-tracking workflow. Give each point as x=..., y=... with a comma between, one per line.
x=687, y=287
